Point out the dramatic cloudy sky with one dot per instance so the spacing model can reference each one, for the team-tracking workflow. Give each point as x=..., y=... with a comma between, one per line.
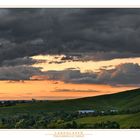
x=73, y=46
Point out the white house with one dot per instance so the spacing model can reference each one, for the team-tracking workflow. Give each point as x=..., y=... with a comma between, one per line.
x=86, y=111
x=114, y=110
x=102, y=112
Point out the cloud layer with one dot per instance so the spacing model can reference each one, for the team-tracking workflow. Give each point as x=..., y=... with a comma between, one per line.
x=104, y=32
x=79, y=34
x=18, y=72
x=123, y=74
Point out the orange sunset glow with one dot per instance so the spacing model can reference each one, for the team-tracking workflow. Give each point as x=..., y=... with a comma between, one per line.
x=52, y=90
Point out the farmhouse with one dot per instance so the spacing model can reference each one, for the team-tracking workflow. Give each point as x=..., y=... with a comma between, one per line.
x=86, y=111
x=114, y=110
x=102, y=112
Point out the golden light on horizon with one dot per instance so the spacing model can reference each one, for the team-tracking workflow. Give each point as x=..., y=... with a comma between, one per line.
x=83, y=66
x=52, y=90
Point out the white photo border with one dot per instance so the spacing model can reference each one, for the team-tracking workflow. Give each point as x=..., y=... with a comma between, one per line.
x=60, y=134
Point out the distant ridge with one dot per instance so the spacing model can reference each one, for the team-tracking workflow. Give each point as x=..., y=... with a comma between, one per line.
x=137, y=90
x=122, y=101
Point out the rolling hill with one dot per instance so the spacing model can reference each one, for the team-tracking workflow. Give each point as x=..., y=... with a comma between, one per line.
x=121, y=101
x=127, y=100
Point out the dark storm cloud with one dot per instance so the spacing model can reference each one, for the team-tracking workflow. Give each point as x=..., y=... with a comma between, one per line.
x=21, y=61
x=18, y=72
x=80, y=34
x=97, y=56
x=103, y=32
x=123, y=74
x=127, y=73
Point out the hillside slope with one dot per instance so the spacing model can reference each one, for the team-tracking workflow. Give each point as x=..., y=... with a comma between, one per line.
x=125, y=120
x=121, y=101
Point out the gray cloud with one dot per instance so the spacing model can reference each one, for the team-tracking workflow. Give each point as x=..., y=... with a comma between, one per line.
x=122, y=74
x=80, y=34
x=102, y=32
x=21, y=61
x=18, y=72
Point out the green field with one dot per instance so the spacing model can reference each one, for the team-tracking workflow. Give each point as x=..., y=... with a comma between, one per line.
x=47, y=110
x=125, y=121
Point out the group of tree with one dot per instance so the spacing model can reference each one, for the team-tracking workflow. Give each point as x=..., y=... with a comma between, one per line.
x=58, y=119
